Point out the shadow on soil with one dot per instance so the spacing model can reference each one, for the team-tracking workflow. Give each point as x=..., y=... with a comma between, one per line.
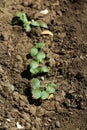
x=30, y=98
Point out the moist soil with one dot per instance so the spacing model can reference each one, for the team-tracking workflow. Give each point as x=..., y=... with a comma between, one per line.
x=66, y=57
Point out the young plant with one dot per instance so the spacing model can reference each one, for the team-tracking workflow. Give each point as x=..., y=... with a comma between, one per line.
x=27, y=25
x=41, y=91
x=4, y=3
x=38, y=57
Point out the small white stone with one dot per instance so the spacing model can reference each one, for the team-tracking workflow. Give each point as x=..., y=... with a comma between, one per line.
x=19, y=126
x=57, y=124
x=44, y=11
x=8, y=120
x=42, y=78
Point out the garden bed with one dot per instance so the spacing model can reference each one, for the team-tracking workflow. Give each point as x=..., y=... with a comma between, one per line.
x=66, y=56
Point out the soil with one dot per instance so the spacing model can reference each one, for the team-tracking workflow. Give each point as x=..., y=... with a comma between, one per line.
x=66, y=56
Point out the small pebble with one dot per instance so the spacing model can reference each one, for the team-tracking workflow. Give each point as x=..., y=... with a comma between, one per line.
x=19, y=58
x=1, y=70
x=57, y=124
x=28, y=125
x=77, y=129
x=16, y=96
x=42, y=78
x=59, y=13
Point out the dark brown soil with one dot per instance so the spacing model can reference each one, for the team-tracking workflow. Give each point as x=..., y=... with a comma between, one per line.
x=67, y=110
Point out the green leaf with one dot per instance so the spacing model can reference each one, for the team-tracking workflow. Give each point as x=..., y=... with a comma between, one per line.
x=35, y=83
x=43, y=25
x=40, y=45
x=34, y=64
x=34, y=52
x=36, y=93
x=22, y=17
x=34, y=23
x=4, y=3
x=44, y=95
x=50, y=89
x=40, y=56
x=44, y=69
x=34, y=71
x=27, y=27
x=19, y=14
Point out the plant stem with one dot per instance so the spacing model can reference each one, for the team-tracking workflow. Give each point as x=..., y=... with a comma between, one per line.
x=4, y=3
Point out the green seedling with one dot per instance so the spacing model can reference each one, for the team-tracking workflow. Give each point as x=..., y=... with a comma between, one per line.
x=37, y=24
x=34, y=64
x=41, y=91
x=34, y=52
x=34, y=23
x=4, y=3
x=43, y=25
x=43, y=69
x=27, y=25
x=38, y=90
x=38, y=57
x=40, y=45
x=21, y=18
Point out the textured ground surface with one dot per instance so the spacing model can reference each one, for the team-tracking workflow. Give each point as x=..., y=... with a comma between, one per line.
x=67, y=110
